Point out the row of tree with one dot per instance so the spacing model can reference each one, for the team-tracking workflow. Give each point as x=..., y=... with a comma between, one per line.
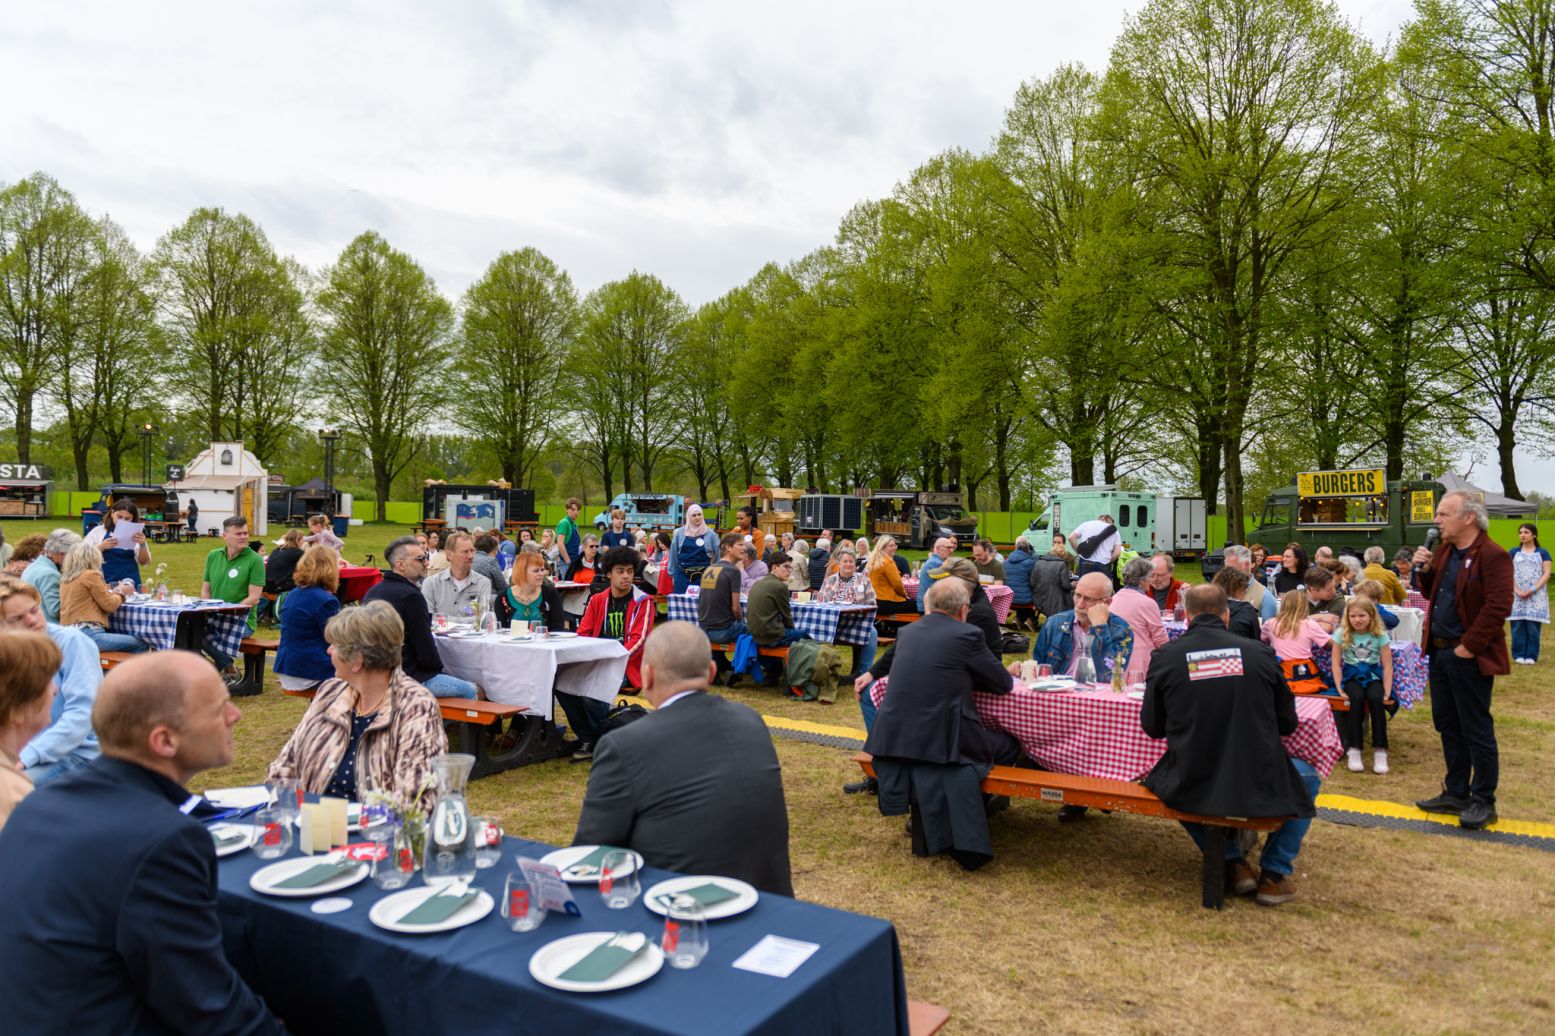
x=1254, y=244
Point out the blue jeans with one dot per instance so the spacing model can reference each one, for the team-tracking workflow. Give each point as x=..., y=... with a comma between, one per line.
x=867, y=707
x=106, y=641
x=1282, y=845
x=586, y=716
x=1525, y=639
x=45, y=772
x=864, y=657
x=445, y=686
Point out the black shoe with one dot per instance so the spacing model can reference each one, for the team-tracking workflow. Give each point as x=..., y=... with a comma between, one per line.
x=868, y=784
x=584, y=754
x=995, y=804
x=1477, y=814
x=1069, y=814
x=1443, y=803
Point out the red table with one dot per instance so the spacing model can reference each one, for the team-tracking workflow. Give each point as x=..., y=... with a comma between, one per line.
x=1097, y=733
x=356, y=580
x=1000, y=596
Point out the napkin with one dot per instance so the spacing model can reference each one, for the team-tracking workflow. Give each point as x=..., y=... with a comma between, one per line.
x=228, y=834
x=706, y=895
x=607, y=958
x=316, y=875
x=589, y=864
x=435, y=909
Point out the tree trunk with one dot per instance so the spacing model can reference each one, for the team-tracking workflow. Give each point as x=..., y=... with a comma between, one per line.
x=1504, y=444
x=1235, y=525
x=115, y=461
x=24, y=427
x=381, y=487
x=1082, y=465
x=80, y=450
x=1209, y=465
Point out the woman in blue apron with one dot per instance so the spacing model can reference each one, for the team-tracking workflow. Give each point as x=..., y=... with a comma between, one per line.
x=693, y=549
x=120, y=562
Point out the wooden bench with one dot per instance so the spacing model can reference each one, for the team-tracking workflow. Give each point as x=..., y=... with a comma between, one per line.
x=764, y=652
x=1066, y=789
x=925, y=1019
x=899, y=617
x=477, y=727
x=110, y=659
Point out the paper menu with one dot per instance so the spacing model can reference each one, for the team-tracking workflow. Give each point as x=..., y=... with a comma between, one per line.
x=124, y=534
x=774, y=955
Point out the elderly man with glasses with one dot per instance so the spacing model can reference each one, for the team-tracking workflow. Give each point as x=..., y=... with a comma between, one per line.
x=941, y=552
x=401, y=590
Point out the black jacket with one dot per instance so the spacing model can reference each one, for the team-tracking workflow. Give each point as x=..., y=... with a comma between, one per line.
x=695, y=787
x=1223, y=755
x=1244, y=620
x=420, y=658
x=111, y=922
x=819, y=559
x=927, y=714
x=981, y=615
x=279, y=568
x=1052, y=585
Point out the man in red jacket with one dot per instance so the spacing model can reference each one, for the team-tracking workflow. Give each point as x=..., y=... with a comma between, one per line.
x=1468, y=581
x=624, y=613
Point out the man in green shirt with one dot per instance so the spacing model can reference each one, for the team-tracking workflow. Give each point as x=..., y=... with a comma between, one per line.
x=567, y=540
x=236, y=574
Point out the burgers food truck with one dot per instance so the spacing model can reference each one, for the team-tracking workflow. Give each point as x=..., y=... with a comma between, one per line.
x=1355, y=507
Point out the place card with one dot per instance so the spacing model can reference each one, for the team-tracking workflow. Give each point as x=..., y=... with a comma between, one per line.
x=774, y=955
x=339, y=820
x=553, y=893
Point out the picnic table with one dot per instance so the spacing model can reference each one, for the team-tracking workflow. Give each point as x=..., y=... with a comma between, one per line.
x=167, y=626
x=524, y=672
x=575, y=596
x=1097, y=733
x=356, y=977
x=829, y=623
x=1000, y=596
x=356, y=580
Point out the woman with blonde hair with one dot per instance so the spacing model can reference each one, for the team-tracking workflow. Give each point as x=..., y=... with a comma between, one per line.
x=305, y=611
x=370, y=727
x=28, y=662
x=886, y=577
x=86, y=601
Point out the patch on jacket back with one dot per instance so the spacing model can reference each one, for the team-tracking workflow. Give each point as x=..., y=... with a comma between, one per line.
x=1208, y=665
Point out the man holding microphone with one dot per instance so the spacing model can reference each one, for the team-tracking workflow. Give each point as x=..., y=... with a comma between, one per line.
x=1468, y=581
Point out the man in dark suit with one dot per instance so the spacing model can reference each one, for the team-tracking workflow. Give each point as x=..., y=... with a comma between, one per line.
x=112, y=925
x=1222, y=704
x=694, y=786
x=927, y=734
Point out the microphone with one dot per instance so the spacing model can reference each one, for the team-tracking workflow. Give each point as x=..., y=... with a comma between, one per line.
x=1432, y=538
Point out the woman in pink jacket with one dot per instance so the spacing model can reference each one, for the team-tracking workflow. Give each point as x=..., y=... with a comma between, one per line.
x=1134, y=605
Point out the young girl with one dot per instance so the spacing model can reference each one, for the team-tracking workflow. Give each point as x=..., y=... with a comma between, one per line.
x=1363, y=664
x=1531, y=597
x=551, y=553
x=1373, y=590
x=1291, y=633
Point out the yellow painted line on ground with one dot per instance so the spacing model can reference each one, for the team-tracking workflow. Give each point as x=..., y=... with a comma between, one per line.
x=806, y=727
x=1378, y=807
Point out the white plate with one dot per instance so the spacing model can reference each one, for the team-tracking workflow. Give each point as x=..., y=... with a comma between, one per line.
x=264, y=878
x=387, y=911
x=550, y=960
x=235, y=847
x=561, y=859
x=562, y=635
x=728, y=908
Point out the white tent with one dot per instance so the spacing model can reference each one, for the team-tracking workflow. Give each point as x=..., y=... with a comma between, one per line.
x=1499, y=506
x=224, y=480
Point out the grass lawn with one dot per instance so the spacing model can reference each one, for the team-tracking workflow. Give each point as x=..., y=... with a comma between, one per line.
x=1096, y=927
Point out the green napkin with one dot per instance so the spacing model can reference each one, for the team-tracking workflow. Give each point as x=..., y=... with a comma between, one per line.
x=603, y=961
x=232, y=838
x=316, y=875
x=436, y=908
x=593, y=859
x=706, y=895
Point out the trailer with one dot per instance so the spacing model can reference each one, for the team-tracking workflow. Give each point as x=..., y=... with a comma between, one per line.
x=489, y=505
x=650, y=511
x=1355, y=508
x=1146, y=522
x=917, y=519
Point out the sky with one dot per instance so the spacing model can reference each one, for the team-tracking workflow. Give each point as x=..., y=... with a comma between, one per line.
x=693, y=140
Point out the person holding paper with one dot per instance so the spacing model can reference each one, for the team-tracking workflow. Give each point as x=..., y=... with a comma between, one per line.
x=695, y=785
x=122, y=539
x=128, y=940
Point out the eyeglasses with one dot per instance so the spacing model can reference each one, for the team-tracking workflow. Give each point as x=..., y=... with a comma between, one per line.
x=423, y=558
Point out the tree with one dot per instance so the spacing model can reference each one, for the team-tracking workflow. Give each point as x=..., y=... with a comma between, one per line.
x=1507, y=377
x=703, y=394
x=519, y=320
x=383, y=320
x=45, y=254
x=274, y=359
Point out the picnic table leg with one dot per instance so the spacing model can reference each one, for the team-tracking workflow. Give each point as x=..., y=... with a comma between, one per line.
x=1214, y=867
x=189, y=635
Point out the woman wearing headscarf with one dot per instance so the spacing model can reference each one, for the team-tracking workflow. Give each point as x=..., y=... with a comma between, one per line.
x=693, y=548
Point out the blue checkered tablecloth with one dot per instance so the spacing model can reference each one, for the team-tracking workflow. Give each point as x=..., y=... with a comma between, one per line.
x=157, y=624
x=830, y=623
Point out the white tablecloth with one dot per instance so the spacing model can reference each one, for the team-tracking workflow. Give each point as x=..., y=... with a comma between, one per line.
x=524, y=672
x=1410, y=622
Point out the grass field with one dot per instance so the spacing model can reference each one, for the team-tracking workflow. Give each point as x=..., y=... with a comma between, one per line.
x=1096, y=927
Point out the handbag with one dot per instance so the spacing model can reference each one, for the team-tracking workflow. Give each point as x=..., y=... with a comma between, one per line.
x=621, y=716
x=1016, y=643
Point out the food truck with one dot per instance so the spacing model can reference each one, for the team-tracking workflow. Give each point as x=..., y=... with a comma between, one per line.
x=1145, y=521
x=650, y=511
x=918, y=519
x=1355, y=507
x=24, y=490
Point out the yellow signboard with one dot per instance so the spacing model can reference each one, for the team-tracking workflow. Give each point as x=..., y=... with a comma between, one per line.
x=1422, y=505
x=1355, y=482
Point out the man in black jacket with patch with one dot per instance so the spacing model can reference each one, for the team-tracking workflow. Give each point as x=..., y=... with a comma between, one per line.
x=1222, y=704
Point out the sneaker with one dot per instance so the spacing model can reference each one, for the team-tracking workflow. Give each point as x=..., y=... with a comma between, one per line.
x=1274, y=889
x=1379, y=761
x=1240, y=878
x=1443, y=803
x=584, y=753
x=1477, y=814
x=1356, y=766
x=868, y=784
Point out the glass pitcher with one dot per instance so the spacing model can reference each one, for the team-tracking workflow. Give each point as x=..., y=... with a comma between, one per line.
x=450, y=837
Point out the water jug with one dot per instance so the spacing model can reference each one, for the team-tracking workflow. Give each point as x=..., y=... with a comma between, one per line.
x=450, y=838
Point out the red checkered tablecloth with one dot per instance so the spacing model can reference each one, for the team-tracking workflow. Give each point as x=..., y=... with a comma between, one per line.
x=1097, y=733
x=1415, y=599
x=1001, y=597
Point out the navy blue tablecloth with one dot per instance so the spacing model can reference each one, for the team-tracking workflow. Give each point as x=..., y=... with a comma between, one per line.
x=338, y=973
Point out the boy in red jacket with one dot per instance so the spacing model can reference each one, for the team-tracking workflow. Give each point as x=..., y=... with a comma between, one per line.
x=624, y=613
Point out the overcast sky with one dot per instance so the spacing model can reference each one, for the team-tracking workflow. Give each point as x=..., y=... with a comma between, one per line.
x=693, y=140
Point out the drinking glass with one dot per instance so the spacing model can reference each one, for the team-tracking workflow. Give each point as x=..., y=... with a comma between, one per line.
x=1044, y=671
x=541, y=631
x=618, y=885
x=488, y=841
x=287, y=798
x=274, y=836
x=521, y=903
x=1167, y=615
x=684, y=941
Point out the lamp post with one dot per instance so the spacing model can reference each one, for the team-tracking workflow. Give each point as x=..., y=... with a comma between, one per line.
x=146, y=431
x=329, y=437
